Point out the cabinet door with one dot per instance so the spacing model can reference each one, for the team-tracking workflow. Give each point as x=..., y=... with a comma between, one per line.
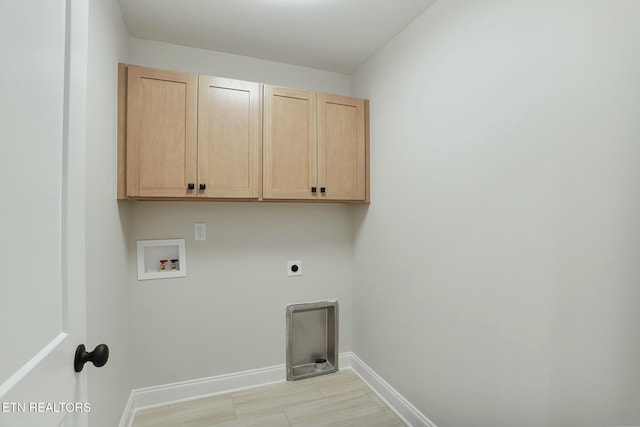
x=161, y=133
x=290, y=144
x=229, y=138
x=341, y=148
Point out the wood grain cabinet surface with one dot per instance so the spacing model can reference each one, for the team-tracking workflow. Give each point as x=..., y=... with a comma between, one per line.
x=342, y=148
x=315, y=146
x=290, y=144
x=161, y=132
x=185, y=136
x=229, y=138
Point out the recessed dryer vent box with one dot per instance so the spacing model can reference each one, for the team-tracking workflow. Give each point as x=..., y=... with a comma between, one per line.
x=312, y=339
x=161, y=259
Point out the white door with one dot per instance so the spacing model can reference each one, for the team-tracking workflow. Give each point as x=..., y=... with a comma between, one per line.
x=42, y=131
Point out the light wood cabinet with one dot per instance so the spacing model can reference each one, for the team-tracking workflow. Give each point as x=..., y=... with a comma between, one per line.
x=290, y=144
x=189, y=136
x=161, y=133
x=341, y=148
x=229, y=138
x=184, y=136
x=315, y=146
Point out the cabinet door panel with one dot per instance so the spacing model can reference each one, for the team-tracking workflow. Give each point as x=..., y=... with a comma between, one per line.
x=341, y=147
x=161, y=133
x=290, y=144
x=229, y=138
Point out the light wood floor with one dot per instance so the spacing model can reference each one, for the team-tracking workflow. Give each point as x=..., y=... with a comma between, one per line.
x=339, y=399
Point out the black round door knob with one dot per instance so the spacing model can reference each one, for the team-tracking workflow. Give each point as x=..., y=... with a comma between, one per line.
x=203, y=186
x=191, y=186
x=98, y=356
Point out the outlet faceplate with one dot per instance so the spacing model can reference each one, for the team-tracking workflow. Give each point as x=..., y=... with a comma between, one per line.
x=200, y=231
x=294, y=268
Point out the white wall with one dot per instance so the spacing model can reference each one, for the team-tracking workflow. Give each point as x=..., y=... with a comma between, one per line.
x=228, y=315
x=107, y=220
x=173, y=57
x=496, y=270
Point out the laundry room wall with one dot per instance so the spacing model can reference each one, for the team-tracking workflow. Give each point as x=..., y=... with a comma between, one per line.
x=496, y=272
x=107, y=220
x=228, y=314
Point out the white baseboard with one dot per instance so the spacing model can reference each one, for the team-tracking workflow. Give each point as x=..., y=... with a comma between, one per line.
x=149, y=397
x=401, y=406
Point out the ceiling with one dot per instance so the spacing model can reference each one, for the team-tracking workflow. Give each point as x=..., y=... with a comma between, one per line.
x=333, y=35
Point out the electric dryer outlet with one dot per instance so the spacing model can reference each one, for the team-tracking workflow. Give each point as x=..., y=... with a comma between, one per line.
x=294, y=268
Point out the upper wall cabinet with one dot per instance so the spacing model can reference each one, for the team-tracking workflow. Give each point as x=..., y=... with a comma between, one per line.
x=342, y=148
x=290, y=144
x=189, y=136
x=229, y=138
x=161, y=133
x=315, y=146
x=185, y=136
